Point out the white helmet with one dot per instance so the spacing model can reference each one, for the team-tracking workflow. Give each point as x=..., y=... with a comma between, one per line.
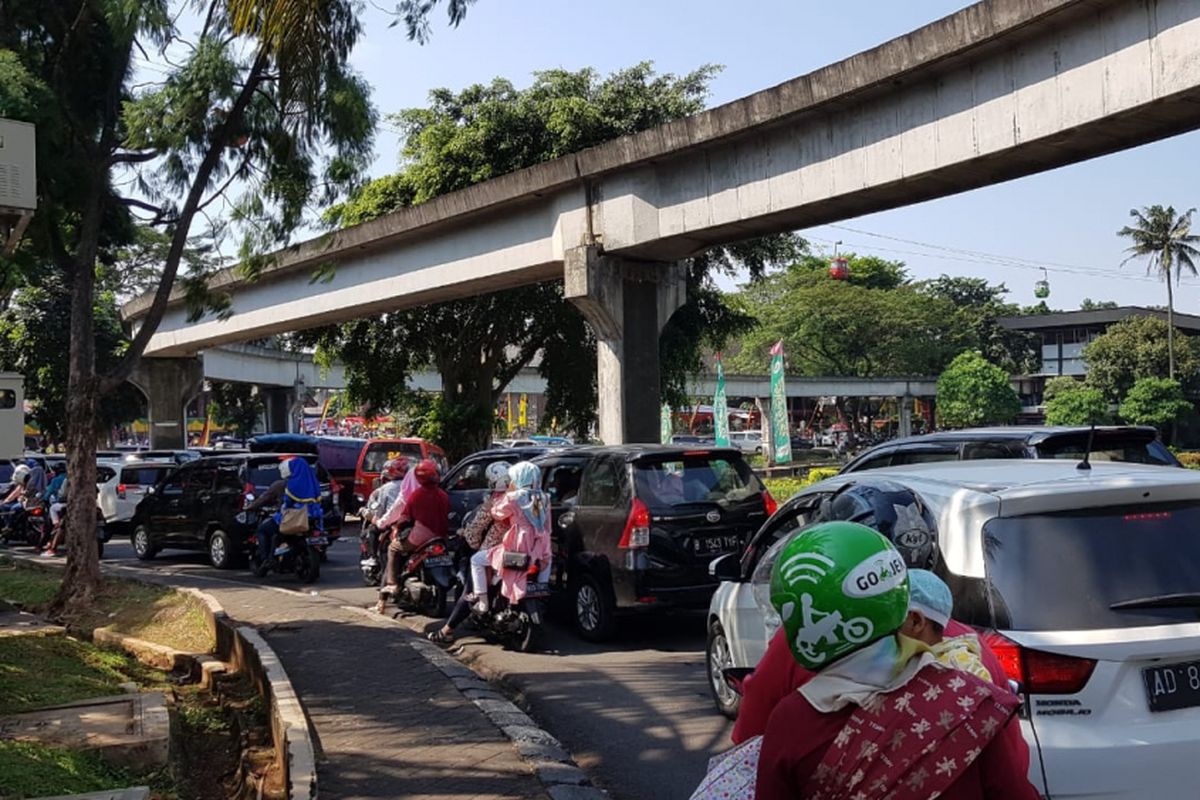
x=497, y=476
x=20, y=473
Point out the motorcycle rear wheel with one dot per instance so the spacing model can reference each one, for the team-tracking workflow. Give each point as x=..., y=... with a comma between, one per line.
x=308, y=567
x=433, y=602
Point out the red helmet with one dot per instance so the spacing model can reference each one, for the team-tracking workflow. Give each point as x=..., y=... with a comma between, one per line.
x=426, y=472
x=395, y=469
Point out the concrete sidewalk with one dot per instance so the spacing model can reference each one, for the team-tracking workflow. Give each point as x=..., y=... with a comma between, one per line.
x=388, y=723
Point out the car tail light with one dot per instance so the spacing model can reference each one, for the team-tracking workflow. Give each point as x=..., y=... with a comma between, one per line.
x=637, y=527
x=121, y=490
x=247, y=496
x=769, y=502
x=1039, y=672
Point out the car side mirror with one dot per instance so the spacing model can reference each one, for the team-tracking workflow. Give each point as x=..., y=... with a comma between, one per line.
x=725, y=568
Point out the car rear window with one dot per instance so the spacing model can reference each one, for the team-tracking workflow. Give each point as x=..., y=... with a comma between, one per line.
x=1127, y=449
x=6, y=471
x=143, y=476
x=262, y=474
x=1064, y=571
x=380, y=453
x=674, y=480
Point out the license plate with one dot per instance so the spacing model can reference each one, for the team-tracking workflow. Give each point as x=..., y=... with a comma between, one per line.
x=316, y=540
x=537, y=590
x=1173, y=686
x=713, y=545
x=439, y=561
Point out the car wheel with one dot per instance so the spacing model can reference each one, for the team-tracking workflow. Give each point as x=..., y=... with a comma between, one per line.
x=221, y=553
x=143, y=545
x=719, y=659
x=594, y=613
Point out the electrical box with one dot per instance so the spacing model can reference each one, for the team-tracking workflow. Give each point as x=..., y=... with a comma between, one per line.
x=18, y=168
x=12, y=415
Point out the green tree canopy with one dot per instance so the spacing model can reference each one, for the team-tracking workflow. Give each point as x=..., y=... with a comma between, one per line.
x=236, y=405
x=1155, y=401
x=1071, y=402
x=1137, y=348
x=242, y=124
x=972, y=391
x=479, y=344
x=979, y=307
x=1089, y=304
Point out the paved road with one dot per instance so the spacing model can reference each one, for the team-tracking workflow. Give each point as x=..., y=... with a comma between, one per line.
x=635, y=713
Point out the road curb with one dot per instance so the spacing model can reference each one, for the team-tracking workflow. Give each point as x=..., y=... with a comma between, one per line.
x=546, y=757
x=246, y=650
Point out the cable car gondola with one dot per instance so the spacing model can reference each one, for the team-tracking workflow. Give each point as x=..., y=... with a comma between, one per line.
x=1041, y=289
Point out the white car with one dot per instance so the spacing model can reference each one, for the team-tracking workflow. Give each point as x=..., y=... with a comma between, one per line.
x=1083, y=581
x=749, y=442
x=121, y=485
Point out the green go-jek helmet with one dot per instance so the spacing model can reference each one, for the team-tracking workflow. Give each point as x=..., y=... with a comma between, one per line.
x=838, y=587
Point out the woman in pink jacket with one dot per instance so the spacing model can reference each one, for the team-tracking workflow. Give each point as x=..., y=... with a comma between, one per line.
x=526, y=510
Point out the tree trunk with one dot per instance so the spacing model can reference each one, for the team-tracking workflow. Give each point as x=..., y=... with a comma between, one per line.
x=467, y=395
x=82, y=577
x=1170, y=329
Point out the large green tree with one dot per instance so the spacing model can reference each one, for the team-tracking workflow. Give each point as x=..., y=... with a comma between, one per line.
x=253, y=115
x=972, y=391
x=1166, y=242
x=1072, y=402
x=1140, y=347
x=479, y=344
x=1155, y=401
x=874, y=324
x=978, y=309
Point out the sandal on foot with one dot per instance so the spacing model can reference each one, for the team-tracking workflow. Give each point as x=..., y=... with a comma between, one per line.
x=437, y=637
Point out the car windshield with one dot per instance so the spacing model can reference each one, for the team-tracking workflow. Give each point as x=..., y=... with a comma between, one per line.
x=380, y=453
x=673, y=480
x=1064, y=571
x=1122, y=447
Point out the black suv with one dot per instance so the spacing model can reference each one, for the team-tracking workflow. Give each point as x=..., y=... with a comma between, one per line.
x=636, y=526
x=198, y=506
x=1138, y=445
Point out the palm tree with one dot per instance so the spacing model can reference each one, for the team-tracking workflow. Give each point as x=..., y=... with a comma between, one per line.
x=1168, y=242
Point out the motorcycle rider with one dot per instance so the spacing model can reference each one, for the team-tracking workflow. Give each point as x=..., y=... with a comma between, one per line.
x=943, y=734
x=481, y=533
x=428, y=511
x=12, y=501
x=382, y=500
x=297, y=487
x=525, y=512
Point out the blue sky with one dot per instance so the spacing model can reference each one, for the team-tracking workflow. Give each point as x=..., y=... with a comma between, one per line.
x=1064, y=220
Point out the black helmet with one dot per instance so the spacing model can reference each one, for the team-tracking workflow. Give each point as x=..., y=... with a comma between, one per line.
x=893, y=510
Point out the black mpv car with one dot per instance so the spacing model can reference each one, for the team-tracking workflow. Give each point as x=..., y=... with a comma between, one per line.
x=198, y=506
x=635, y=526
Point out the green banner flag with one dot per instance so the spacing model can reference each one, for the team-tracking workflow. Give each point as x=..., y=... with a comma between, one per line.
x=720, y=409
x=780, y=434
x=665, y=427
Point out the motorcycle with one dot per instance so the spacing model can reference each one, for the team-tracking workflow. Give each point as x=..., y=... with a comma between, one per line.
x=516, y=626
x=426, y=579
x=297, y=553
x=372, y=553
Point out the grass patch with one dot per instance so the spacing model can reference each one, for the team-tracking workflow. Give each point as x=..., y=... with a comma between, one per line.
x=154, y=613
x=26, y=587
x=34, y=770
x=41, y=671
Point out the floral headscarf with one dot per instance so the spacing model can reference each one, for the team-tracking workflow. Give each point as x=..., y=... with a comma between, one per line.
x=526, y=492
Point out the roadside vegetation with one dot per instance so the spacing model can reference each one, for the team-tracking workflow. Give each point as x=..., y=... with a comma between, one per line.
x=153, y=613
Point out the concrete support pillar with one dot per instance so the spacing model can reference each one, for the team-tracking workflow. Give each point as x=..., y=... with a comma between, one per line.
x=169, y=385
x=284, y=405
x=627, y=303
x=906, y=415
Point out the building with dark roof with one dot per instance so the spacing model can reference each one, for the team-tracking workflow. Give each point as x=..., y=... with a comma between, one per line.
x=1064, y=335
